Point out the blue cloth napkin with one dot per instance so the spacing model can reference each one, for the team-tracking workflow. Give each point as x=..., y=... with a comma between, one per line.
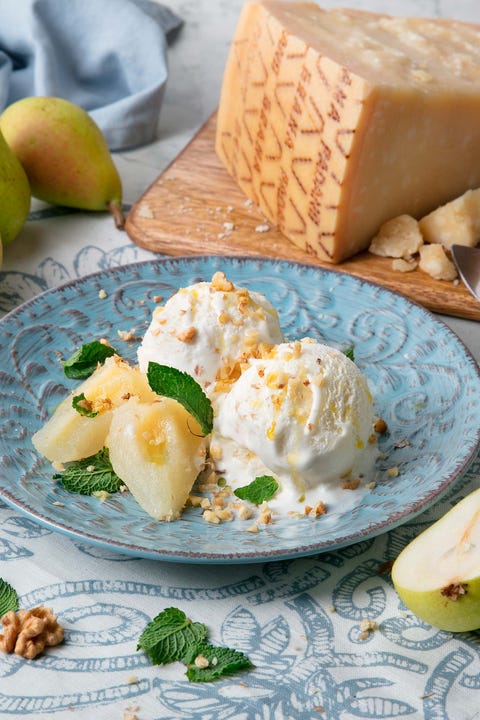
x=108, y=56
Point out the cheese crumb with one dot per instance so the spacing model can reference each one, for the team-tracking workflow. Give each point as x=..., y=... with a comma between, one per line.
x=102, y=294
x=434, y=262
x=399, y=237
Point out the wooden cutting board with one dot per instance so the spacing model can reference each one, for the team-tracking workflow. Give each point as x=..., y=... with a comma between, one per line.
x=195, y=208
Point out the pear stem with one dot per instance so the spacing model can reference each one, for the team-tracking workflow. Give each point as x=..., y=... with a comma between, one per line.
x=119, y=218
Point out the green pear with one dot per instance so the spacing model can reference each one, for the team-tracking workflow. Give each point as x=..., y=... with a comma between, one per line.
x=14, y=194
x=64, y=154
x=437, y=575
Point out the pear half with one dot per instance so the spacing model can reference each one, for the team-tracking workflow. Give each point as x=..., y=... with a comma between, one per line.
x=437, y=575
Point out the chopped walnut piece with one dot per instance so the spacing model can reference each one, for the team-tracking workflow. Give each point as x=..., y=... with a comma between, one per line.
x=127, y=335
x=28, y=632
x=211, y=517
x=367, y=626
x=265, y=518
x=350, y=484
x=99, y=405
x=187, y=335
x=319, y=509
x=244, y=512
x=380, y=426
x=454, y=591
x=393, y=471
x=219, y=282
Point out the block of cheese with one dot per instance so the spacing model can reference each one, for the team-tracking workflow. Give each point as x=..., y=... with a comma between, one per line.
x=334, y=122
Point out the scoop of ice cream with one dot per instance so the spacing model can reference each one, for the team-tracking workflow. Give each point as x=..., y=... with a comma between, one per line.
x=305, y=412
x=209, y=330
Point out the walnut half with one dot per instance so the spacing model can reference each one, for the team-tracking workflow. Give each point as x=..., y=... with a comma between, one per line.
x=28, y=632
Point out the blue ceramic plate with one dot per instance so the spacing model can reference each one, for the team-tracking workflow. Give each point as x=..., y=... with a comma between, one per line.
x=426, y=385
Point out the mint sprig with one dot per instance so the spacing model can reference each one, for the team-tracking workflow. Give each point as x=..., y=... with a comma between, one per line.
x=92, y=474
x=350, y=353
x=83, y=406
x=179, y=385
x=169, y=635
x=8, y=598
x=221, y=661
x=261, y=489
x=82, y=363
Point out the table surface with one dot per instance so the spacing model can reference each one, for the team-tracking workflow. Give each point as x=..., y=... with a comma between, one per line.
x=310, y=662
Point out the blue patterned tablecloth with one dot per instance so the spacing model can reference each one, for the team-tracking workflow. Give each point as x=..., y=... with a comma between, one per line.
x=299, y=621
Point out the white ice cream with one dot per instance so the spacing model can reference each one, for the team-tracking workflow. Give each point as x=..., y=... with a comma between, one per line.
x=208, y=329
x=303, y=414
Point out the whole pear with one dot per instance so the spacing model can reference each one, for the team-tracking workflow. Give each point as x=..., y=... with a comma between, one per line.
x=437, y=575
x=14, y=194
x=64, y=154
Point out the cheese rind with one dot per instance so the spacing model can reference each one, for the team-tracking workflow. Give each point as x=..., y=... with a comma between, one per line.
x=334, y=122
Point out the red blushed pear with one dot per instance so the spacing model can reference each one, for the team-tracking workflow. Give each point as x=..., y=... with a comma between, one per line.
x=64, y=154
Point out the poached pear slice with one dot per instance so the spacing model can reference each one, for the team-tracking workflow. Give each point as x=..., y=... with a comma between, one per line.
x=437, y=575
x=158, y=450
x=68, y=436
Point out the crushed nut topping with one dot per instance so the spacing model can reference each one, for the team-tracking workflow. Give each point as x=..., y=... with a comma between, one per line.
x=319, y=509
x=380, y=426
x=127, y=335
x=219, y=282
x=28, y=632
x=201, y=662
x=350, y=484
x=367, y=626
x=187, y=335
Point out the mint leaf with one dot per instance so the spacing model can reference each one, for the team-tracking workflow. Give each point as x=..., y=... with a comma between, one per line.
x=262, y=488
x=83, y=406
x=92, y=474
x=169, y=635
x=350, y=353
x=85, y=360
x=8, y=598
x=221, y=661
x=181, y=386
